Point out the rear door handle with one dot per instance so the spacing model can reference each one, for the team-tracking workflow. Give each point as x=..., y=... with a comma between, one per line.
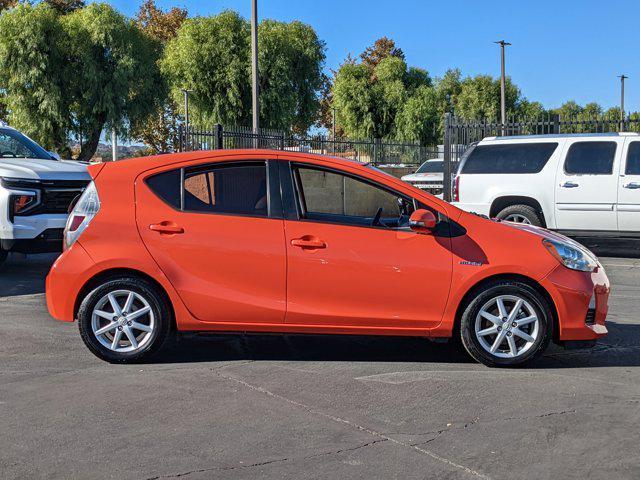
x=570, y=185
x=166, y=227
x=632, y=185
x=308, y=243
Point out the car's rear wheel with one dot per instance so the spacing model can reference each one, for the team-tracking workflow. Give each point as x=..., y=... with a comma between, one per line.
x=521, y=214
x=506, y=323
x=124, y=320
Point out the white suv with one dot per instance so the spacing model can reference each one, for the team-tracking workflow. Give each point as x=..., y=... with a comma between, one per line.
x=580, y=184
x=36, y=189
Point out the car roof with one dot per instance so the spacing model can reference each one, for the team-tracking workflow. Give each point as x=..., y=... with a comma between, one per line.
x=561, y=135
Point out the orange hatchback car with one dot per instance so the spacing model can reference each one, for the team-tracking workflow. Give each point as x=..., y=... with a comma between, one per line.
x=266, y=241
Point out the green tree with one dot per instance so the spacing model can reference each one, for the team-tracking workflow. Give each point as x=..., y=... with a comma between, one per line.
x=529, y=110
x=210, y=56
x=290, y=63
x=159, y=130
x=34, y=74
x=369, y=95
x=65, y=6
x=382, y=48
x=418, y=120
x=113, y=78
x=479, y=98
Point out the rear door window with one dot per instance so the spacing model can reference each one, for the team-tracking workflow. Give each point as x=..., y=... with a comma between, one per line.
x=633, y=159
x=509, y=158
x=590, y=158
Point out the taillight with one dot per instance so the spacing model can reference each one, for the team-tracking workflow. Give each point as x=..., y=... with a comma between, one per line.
x=455, y=191
x=83, y=212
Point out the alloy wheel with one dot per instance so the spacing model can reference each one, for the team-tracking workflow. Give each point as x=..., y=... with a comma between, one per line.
x=507, y=326
x=517, y=218
x=123, y=321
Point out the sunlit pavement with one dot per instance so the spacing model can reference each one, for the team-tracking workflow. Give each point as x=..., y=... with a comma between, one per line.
x=311, y=407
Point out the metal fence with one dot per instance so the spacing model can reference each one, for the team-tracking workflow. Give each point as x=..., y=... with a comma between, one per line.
x=459, y=134
x=376, y=151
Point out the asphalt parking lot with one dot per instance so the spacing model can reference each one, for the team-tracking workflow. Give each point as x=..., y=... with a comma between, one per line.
x=300, y=407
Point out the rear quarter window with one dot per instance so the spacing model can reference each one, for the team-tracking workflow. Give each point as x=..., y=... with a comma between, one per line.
x=511, y=158
x=166, y=185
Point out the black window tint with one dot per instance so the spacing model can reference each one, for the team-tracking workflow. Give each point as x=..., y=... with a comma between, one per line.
x=233, y=188
x=590, y=158
x=633, y=159
x=330, y=196
x=511, y=158
x=166, y=185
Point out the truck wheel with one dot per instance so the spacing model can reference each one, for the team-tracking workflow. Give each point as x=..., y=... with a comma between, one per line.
x=506, y=324
x=521, y=214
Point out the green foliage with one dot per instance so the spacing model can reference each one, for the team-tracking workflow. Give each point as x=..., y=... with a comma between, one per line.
x=75, y=74
x=65, y=6
x=370, y=96
x=34, y=73
x=479, y=98
x=418, y=119
x=211, y=57
x=290, y=71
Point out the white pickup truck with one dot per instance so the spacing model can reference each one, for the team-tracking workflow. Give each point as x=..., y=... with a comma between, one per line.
x=36, y=189
x=581, y=184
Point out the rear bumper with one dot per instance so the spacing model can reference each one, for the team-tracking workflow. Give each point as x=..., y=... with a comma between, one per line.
x=64, y=284
x=572, y=292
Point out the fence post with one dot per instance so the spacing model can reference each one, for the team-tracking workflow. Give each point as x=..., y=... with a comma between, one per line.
x=180, y=145
x=217, y=137
x=446, y=180
x=281, y=141
x=555, y=118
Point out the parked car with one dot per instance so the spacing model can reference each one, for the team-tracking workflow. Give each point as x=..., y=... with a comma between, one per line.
x=429, y=176
x=36, y=189
x=587, y=184
x=267, y=241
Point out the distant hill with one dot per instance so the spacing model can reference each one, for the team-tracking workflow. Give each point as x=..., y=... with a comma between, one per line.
x=103, y=152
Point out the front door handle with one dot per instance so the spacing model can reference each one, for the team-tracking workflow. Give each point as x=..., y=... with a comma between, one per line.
x=632, y=185
x=308, y=242
x=166, y=227
x=569, y=185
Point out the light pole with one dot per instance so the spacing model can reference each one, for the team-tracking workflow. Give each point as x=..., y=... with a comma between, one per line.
x=622, y=78
x=254, y=66
x=114, y=145
x=503, y=104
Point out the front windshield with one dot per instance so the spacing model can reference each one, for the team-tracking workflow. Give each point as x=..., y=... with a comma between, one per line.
x=431, y=166
x=13, y=144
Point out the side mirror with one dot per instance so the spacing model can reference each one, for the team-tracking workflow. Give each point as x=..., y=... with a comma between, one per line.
x=422, y=221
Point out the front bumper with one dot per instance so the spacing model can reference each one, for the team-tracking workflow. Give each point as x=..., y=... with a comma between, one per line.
x=48, y=241
x=572, y=291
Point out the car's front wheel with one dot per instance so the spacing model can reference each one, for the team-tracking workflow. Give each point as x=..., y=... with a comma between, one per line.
x=506, y=323
x=124, y=320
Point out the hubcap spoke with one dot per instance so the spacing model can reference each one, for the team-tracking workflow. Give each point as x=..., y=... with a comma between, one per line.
x=515, y=310
x=523, y=335
x=114, y=304
x=513, y=349
x=498, y=341
x=107, y=328
x=501, y=308
x=138, y=313
x=128, y=303
x=102, y=314
x=116, y=340
x=130, y=336
x=492, y=318
x=140, y=326
x=526, y=320
x=488, y=331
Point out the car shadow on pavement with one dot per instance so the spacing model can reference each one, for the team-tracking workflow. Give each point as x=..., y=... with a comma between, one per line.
x=621, y=348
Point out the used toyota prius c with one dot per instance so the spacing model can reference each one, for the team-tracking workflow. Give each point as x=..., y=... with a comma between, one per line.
x=276, y=241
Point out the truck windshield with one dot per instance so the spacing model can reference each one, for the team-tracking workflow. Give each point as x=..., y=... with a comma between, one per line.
x=431, y=166
x=13, y=144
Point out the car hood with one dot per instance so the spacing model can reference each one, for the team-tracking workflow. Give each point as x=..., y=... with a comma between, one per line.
x=544, y=233
x=38, y=169
x=423, y=177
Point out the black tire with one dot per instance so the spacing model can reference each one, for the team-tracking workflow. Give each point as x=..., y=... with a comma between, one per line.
x=526, y=211
x=159, y=307
x=485, y=294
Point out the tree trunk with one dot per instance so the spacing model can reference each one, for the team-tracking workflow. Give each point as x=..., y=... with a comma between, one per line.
x=91, y=145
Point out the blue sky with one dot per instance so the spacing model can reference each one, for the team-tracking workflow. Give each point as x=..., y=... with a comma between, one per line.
x=562, y=49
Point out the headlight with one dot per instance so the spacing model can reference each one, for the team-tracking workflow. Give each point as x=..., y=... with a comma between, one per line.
x=571, y=256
